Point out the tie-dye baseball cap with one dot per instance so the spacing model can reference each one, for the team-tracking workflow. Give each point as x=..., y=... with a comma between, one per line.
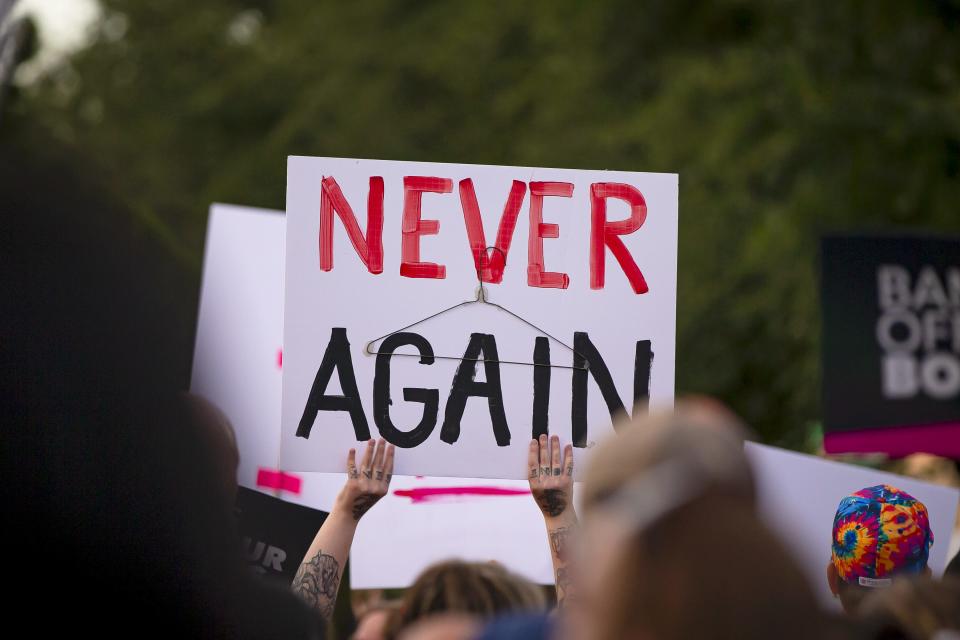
x=879, y=532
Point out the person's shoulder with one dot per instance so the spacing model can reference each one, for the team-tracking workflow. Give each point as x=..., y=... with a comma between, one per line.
x=270, y=611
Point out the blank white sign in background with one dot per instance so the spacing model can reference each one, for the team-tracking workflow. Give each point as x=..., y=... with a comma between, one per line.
x=799, y=495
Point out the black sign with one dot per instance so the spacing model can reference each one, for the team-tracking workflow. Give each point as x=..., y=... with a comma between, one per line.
x=891, y=331
x=275, y=534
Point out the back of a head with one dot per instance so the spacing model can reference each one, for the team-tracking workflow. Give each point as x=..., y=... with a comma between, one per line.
x=672, y=498
x=710, y=568
x=481, y=589
x=107, y=478
x=880, y=534
x=913, y=609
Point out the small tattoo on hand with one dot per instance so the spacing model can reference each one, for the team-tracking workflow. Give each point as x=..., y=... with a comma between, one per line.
x=552, y=502
x=362, y=504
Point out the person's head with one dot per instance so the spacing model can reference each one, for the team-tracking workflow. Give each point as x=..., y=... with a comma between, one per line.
x=879, y=533
x=480, y=589
x=709, y=568
x=671, y=545
x=696, y=435
x=372, y=625
x=216, y=431
x=912, y=609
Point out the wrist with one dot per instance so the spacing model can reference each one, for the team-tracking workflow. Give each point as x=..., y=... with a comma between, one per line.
x=564, y=519
x=342, y=514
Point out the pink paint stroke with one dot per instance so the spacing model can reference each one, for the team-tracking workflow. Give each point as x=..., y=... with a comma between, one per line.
x=279, y=358
x=897, y=442
x=432, y=494
x=279, y=480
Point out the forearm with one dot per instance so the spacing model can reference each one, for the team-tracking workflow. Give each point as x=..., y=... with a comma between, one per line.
x=318, y=578
x=559, y=532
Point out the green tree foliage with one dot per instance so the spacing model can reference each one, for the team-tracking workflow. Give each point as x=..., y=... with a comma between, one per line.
x=784, y=119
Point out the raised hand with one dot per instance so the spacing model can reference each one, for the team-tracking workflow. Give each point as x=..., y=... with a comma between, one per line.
x=551, y=477
x=551, y=483
x=370, y=481
x=318, y=577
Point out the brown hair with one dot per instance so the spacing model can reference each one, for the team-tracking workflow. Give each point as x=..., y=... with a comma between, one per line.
x=708, y=569
x=478, y=588
x=707, y=566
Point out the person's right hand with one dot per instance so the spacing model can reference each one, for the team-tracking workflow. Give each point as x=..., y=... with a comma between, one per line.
x=369, y=482
x=551, y=479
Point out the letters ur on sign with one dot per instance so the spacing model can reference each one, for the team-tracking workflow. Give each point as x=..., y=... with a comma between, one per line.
x=604, y=234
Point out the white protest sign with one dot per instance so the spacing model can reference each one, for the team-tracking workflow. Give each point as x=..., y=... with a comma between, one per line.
x=237, y=367
x=799, y=495
x=237, y=354
x=588, y=257
x=435, y=519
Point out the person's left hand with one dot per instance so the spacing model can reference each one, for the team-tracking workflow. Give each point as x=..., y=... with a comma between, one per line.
x=551, y=477
x=369, y=482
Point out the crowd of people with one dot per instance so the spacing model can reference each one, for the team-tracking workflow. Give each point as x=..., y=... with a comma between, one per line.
x=670, y=545
x=119, y=502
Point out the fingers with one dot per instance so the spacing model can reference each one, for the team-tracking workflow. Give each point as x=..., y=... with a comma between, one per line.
x=352, y=472
x=533, y=459
x=555, y=455
x=544, y=456
x=378, y=457
x=365, y=464
x=568, y=460
x=388, y=464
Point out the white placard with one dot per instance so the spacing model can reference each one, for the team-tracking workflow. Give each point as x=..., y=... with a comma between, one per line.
x=799, y=495
x=237, y=353
x=339, y=288
x=236, y=367
x=435, y=519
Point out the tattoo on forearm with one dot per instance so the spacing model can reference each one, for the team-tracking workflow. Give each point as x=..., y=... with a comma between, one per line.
x=564, y=586
x=559, y=542
x=552, y=502
x=362, y=504
x=317, y=581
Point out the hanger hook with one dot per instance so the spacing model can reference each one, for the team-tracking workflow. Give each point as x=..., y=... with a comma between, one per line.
x=482, y=290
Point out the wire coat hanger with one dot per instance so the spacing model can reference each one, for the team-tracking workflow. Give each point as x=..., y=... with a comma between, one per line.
x=480, y=298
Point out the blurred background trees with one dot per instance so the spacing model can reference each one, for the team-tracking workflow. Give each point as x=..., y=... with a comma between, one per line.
x=784, y=119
